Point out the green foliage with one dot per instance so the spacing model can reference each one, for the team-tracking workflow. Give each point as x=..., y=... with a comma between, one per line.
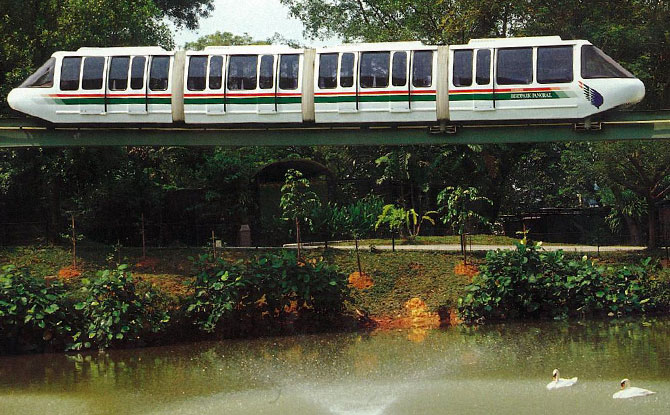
x=360, y=217
x=531, y=283
x=396, y=217
x=326, y=221
x=297, y=199
x=117, y=311
x=458, y=206
x=33, y=314
x=268, y=286
x=222, y=39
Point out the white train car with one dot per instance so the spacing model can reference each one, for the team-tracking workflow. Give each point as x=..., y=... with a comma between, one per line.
x=487, y=80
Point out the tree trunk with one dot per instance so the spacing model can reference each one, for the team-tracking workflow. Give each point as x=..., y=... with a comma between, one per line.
x=633, y=230
x=652, y=214
x=465, y=259
x=297, y=237
x=358, y=258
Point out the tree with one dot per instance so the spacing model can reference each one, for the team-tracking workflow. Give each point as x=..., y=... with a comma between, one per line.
x=298, y=201
x=223, y=39
x=458, y=206
x=641, y=167
x=360, y=218
x=394, y=218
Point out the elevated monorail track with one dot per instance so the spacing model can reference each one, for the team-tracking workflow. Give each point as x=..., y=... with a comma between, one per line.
x=633, y=125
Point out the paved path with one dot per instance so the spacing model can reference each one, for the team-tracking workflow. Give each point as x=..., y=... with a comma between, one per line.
x=457, y=247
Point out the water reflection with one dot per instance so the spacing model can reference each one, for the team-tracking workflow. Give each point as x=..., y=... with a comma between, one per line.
x=492, y=369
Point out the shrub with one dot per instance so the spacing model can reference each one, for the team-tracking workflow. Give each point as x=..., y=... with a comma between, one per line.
x=32, y=314
x=117, y=311
x=529, y=282
x=270, y=286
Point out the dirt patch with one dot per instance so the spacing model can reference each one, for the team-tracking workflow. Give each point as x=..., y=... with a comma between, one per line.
x=360, y=281
x=148, y=263
x=468, y=270
x=69, y=273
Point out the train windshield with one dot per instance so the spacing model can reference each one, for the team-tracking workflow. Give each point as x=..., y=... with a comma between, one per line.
x=43, y=77
x=596, y=64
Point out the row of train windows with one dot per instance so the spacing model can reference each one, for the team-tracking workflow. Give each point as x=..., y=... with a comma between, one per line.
x=375, y=69
x=244, y=72
x=515, y=65
x=91, y=73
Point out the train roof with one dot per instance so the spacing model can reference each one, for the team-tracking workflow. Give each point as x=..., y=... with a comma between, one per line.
x=522, y=41
x=364, y=47
x=250, y=49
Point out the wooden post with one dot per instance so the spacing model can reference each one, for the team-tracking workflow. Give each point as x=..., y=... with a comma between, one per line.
x=144, y=245
x=74, y=243
x=213, y=245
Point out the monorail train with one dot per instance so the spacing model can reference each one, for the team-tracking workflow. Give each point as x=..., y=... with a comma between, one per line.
x=531, y=78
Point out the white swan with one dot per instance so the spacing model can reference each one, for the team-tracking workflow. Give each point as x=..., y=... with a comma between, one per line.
x=630, y=392
x=557, y=382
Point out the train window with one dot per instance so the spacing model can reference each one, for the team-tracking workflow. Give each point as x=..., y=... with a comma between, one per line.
x=515, y=66
x=137, y=72
x=158, y=76
x=462, y=67
x=347, y=70
x=242, y=70
x=215, y=72
x=328, y=70
x=596, y=64
x=266, y=75
x=554, y=64
x=69, y=74
x=118, y=73
x=197, y=70
x=288, y=71
x=43, y=77
x=399, y=72
x=422, y=69
x=483, y=75
x=375, y=69
x=92, y=76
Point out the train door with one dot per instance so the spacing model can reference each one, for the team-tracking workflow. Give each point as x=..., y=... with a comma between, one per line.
x=196, y=98
x=116, y=93
x=485, y=99
x=92, y=86
x=159, y=95
x=215, y=104
x=289, y=88
x=399, y=92
x=137, y=96
x=241, y=86
x=348, y=102
x=267, y=94
x=374, y=81
x=422, y=88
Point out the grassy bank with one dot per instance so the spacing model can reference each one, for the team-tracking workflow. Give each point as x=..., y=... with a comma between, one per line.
x=436, y=278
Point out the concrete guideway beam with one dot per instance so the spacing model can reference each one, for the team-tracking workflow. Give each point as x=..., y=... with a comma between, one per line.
x=639, y=125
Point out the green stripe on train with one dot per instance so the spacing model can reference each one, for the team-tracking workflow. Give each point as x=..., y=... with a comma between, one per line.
x=111, y=101
x=373, y=98
x=511, y=96
x=252, y=100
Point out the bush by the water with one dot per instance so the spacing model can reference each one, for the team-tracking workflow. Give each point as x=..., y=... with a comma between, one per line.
x=33, y=314
x=269, y=287
x=116, y=310
x=532, y=283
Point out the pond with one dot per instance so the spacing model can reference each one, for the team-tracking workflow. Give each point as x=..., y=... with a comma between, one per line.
x=501, y=369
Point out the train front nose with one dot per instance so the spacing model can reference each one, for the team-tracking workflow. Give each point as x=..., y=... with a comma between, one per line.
x=14, y=100
x=637, y=91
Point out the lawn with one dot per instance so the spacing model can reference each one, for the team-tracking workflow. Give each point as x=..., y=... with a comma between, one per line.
x=435, y=278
